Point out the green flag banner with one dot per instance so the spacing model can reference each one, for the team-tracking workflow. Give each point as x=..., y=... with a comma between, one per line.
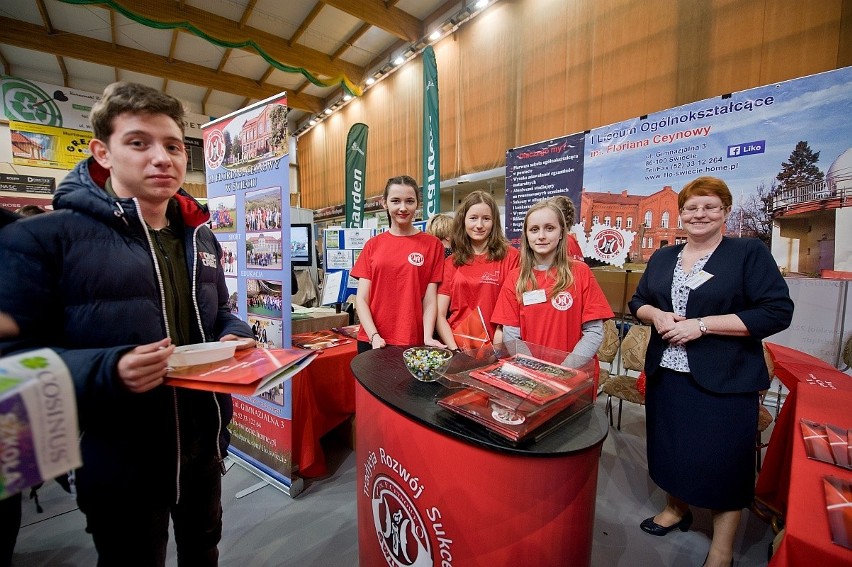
x=356, y=168
x=431, y=139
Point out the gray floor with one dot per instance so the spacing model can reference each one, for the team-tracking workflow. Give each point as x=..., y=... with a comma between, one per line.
x=268, y=528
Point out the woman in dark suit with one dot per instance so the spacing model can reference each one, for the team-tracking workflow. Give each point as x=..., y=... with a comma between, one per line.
x=710, y=302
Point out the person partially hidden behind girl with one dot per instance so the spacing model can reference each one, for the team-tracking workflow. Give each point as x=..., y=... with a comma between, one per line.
x=441, y=227
x=566, y=205
x=398, y=275
x=709, y=302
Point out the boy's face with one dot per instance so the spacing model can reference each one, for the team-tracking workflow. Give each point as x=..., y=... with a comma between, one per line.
x=145, y=155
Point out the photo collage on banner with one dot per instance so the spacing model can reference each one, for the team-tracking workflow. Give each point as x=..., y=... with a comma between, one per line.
x=247, y=160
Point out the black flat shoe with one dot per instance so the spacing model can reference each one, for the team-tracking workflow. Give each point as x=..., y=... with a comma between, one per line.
x=650, y=526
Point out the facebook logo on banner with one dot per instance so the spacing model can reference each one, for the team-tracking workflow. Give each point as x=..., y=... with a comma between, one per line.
x=747, y=149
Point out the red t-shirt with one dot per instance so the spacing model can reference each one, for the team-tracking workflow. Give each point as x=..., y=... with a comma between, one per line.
x=557, y=322
x=399, y=268
x=573, y=248
x=476, y=284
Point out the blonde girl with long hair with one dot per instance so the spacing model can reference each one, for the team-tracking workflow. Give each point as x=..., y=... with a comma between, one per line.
x=551, y=300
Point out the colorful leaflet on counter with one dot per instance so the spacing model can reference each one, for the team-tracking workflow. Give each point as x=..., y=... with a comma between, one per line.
x=838, y=504
x=816, y=441
x=828, y=443
x=839, y=444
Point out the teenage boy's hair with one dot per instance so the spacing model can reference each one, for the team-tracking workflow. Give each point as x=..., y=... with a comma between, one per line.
x=134, y=98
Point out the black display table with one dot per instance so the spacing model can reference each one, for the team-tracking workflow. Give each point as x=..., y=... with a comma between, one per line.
x=437, y=489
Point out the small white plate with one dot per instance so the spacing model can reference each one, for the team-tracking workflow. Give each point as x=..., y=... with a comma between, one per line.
x=202, y=353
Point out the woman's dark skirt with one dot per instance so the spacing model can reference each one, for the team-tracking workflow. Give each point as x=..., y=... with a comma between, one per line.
x=701, y=445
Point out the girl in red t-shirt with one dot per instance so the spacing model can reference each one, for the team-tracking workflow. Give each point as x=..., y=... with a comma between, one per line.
x=482, y=259
x=398, y=275
x=550, y=300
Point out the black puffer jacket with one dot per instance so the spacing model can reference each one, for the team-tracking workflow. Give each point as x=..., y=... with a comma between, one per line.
x=83, y=280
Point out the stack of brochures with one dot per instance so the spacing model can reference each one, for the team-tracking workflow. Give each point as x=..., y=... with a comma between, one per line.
x=249, y=372
x=517, y=390
x=350, y=331
x=318, y=340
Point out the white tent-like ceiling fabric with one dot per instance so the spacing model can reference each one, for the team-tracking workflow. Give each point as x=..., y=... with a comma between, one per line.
x=215, y=55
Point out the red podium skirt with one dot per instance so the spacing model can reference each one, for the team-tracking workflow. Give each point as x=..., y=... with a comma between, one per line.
x=428, y=498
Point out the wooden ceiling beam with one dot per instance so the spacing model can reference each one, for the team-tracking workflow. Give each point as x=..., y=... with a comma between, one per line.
x=224, y=29
x=306, y=23
x=30, y=36
x=350, y=41
x=63, y=69
x=247, y=13
x=378, y=13
x=173, y=45
x=224, y=60
x=266, y=74
x=45, y=17
x=112, y=33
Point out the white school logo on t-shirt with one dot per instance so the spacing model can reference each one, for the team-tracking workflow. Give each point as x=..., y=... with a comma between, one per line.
x=562, y=301
x=490, y=278
x=416, y=259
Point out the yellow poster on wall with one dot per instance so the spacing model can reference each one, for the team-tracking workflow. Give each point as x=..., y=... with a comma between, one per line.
x=47, y=146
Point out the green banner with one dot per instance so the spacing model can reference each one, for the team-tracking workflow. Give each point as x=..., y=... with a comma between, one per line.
x=356, y=169
x=431, y=137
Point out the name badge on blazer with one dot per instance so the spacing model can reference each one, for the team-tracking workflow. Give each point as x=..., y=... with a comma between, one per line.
x=534, y=296
x=697, y=280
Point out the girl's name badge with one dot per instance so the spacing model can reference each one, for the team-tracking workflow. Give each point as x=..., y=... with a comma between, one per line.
x=534, y=296
x=697, y=280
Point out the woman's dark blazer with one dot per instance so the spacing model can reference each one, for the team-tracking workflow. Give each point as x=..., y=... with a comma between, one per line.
x=746, y=282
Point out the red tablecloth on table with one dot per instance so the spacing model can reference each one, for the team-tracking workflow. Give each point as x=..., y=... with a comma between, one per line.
x=323, y=398
x=793, y=368
x=808, y=539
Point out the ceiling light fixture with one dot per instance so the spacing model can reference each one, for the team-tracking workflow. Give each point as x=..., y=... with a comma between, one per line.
x=469, y=9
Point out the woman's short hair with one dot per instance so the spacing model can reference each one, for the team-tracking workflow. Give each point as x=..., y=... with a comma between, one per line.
x=705, y=186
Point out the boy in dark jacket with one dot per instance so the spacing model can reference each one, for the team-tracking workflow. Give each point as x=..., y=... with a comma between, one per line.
x=123, y=271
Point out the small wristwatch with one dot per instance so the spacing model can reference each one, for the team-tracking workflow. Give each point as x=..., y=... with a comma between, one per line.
x=701, y=326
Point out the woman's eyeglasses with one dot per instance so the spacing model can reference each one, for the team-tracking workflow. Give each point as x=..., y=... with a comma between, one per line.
x=710, y=209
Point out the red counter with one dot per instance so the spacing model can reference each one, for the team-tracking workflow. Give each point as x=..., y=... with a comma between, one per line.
x=808, y=540
x=793, y=368
x=434, y=489
x=323, y=398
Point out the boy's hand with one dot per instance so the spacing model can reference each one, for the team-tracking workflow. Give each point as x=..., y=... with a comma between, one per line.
x=242, y=342
x=144, y=367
